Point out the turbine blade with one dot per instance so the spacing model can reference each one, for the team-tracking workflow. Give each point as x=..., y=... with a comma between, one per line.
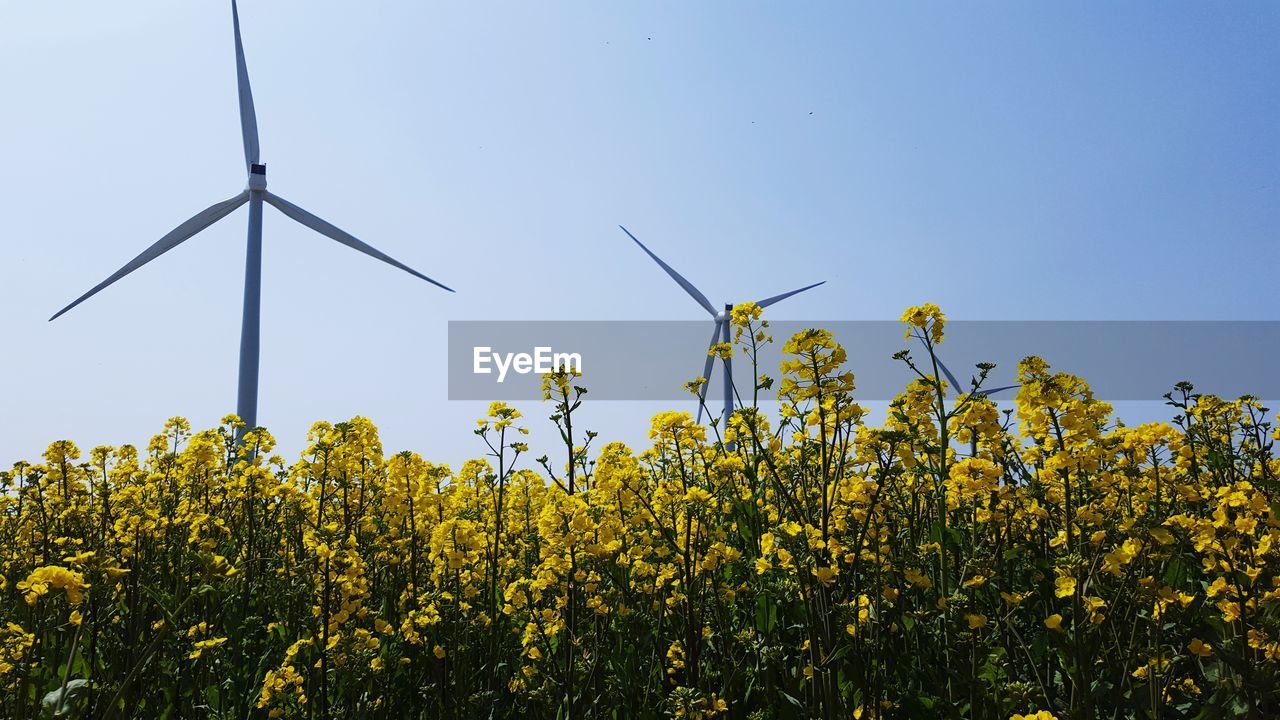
x=769, y=301
x=248, y=118
x=706, y=370
x=996, y=390
x=200, y=221
x=329, y=230
x=688, y=286
x=955, y=384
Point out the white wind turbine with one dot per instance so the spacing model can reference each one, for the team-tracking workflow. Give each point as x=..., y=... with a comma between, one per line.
x=956, y=387
x=254, y=194
x=719, y=334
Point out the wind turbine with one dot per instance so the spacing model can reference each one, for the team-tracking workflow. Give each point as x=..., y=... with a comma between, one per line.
x=955, y=384
x=719, y=334
x=254, y=194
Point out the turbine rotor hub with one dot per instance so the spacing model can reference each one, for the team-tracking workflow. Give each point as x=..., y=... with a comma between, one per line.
x=257, y=177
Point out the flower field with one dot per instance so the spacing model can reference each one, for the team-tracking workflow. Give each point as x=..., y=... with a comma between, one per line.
x=1044, y=561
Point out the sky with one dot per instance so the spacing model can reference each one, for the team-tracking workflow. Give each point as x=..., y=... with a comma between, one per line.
x=1006, y=160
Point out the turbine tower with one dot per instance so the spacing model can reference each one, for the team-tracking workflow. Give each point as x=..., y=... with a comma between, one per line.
x=719, y=334
x=254, y=194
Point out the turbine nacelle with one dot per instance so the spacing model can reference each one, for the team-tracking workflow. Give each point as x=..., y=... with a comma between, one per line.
x=258, y=176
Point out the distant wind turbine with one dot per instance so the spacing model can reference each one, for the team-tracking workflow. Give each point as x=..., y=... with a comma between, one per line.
x=254, y=195
x=955, y=384
x=719, y=334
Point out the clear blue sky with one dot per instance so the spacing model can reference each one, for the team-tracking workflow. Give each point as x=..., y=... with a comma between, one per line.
x=1011, y=160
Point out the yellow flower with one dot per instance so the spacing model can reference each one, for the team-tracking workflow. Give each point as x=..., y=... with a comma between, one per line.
x=1217, y=587
x=743, y=314
x=42, y=579
x=826, y=575
x=1200, y=648
x=1064, y=586
x=927, y=317
x=438, y=651
x=976, y=621
x=917, y=579
x=200, y=646
x=1054, y=622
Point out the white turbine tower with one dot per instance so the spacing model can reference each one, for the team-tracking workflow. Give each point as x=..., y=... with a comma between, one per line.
x=719, y=334
x=254, y=195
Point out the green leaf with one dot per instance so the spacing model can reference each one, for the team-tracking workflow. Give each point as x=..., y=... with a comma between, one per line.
x=59, y=702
